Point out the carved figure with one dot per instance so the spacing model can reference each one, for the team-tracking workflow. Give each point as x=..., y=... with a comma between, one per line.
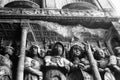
x=114, y=62
x=33, y=63
x=6, y=64
x=79, y=59
x=56, y=65
x=103, y=65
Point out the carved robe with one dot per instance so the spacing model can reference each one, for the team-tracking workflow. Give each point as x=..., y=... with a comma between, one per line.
x=35, y=64
x=56, y=66
x=5, y=68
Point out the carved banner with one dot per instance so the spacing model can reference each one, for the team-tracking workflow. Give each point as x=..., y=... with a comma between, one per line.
x=76, y=32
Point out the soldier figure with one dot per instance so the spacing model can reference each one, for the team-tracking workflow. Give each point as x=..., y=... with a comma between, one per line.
x=103, y=65
x=79, y=58
x=6, y=64
x=56, y=65
x=33, y=64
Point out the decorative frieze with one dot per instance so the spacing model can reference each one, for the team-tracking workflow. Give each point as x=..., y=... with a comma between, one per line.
x=61, y=12
x=20, y=13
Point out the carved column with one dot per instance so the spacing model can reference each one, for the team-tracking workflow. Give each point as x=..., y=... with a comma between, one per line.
x=20, y=71
x=94, y=67
x=43, y=3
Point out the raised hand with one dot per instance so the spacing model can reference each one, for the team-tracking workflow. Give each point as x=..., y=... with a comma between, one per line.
x=67, y=67
x=81, y=65
x=87, y=46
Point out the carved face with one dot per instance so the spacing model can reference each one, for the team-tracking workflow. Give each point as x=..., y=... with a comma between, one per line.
x=76, y=51
x=101, y=54
x=34, y=50
x=117, y=50
x=59, y=49
x=42, y=54
x=9, y=50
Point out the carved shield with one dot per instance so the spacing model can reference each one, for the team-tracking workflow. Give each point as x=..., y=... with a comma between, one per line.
x=54, y=75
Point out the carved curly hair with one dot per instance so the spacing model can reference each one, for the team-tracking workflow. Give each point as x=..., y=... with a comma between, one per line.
x=71, y=55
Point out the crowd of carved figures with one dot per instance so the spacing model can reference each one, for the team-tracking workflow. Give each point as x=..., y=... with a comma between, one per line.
x=56, y=62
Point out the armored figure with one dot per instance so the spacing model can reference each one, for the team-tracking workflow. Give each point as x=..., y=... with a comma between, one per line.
x=79, y=59
x=114, y=62
x=103, y=65
x=56, y=65
x=33, y=64
x=6, y=64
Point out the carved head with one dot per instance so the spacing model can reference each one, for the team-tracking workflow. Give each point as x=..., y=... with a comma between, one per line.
x=58, y=49
x=9, y=50
x=117, y=50
x=99, y=54
x=34, y=49
x=76, y=51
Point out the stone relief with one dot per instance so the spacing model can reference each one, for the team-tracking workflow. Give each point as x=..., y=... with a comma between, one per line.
x=53, y=12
